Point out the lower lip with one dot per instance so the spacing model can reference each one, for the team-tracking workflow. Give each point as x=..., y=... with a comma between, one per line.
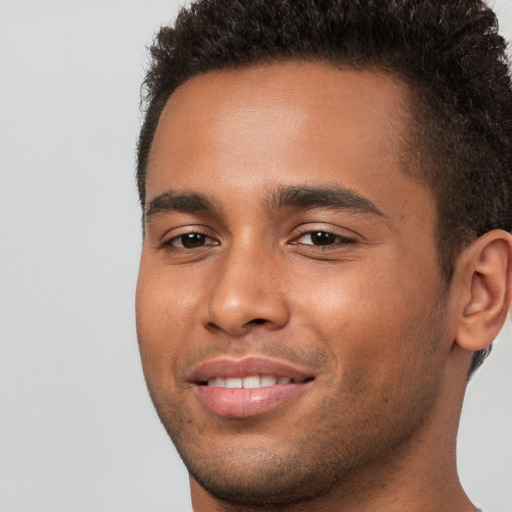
x=241, y=403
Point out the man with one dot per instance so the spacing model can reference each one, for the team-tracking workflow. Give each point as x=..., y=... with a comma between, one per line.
x=327, y=258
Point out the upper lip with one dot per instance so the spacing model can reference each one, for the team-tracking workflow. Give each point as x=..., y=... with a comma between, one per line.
x=248, y=366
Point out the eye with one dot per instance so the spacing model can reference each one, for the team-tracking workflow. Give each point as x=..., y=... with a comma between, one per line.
x=321, y=238
x=192, y=240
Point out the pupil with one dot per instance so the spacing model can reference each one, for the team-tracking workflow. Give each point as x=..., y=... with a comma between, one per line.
x=191, y=240
x=323, y=238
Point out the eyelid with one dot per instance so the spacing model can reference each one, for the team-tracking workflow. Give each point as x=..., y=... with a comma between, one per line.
x=168, y=241
x=311, y=228
x=339, y=241
x=172, y=241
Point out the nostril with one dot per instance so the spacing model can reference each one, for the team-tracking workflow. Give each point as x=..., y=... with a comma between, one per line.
x=258, y=321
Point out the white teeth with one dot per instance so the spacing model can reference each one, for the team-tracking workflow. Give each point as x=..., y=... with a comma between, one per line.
x=234, y=383
x=268, y=381
x=251, y=382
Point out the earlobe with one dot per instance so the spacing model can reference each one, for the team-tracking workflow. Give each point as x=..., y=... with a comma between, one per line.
x=484, y=272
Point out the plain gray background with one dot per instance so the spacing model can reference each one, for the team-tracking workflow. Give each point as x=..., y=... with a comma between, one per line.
x=77, y=430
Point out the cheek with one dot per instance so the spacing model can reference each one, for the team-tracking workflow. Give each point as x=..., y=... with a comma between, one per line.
x=165, y=300
x=349, y=297
x=168, y=322
x=155, y=313
x=368, y=319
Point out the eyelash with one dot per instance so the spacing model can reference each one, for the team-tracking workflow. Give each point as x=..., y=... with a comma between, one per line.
x=169, y=244
x=339, y=239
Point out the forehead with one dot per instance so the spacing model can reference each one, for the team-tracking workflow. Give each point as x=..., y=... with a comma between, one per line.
x=283, y=124
x=307, y=102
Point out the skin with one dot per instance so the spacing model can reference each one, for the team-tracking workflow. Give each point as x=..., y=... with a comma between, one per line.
x=367, y=314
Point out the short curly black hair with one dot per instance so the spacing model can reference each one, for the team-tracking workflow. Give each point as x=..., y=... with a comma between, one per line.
x=448, y=52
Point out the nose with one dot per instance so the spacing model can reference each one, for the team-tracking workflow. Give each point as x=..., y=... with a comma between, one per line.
x=246, y=293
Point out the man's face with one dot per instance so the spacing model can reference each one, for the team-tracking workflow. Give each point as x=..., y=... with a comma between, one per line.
x=287, y=251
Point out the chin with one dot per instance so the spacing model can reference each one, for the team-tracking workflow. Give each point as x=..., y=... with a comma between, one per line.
x=273, y=485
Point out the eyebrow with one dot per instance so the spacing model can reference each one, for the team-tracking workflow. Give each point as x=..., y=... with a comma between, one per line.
x=335, y=198
x=300, y=198
x=169, y=202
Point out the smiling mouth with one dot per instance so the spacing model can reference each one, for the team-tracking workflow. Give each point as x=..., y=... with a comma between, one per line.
x=249, y=387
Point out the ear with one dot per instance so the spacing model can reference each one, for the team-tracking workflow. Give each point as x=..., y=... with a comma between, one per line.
x=484, y=276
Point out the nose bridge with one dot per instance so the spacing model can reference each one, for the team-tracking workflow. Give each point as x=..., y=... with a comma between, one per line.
x=246, y=290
